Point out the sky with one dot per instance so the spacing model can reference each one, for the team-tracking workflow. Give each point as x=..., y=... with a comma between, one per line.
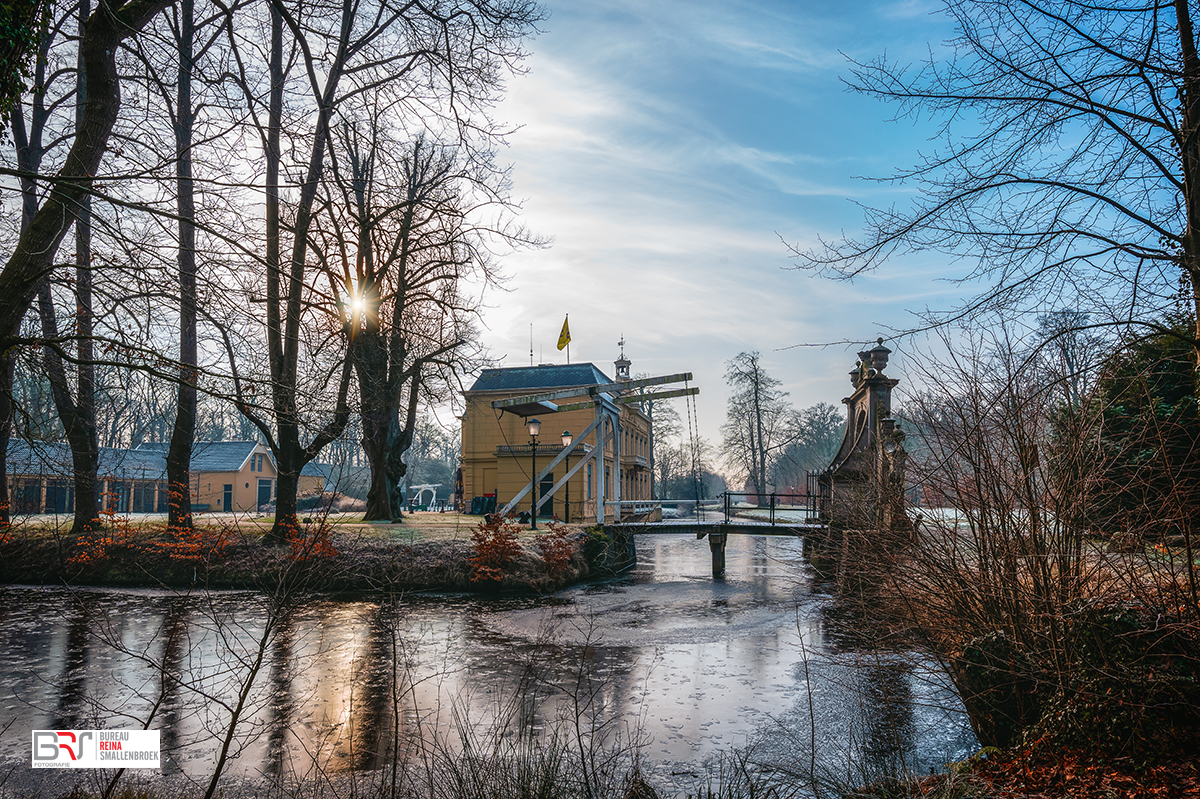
x=673, y=149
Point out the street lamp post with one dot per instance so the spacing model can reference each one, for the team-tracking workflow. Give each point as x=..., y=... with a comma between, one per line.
x=566, y=442
x=535, y=427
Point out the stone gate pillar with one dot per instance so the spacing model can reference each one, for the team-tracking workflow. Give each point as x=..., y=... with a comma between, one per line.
x=863, y=488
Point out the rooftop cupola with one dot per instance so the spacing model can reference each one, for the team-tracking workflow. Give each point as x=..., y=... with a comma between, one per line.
x=622, y=363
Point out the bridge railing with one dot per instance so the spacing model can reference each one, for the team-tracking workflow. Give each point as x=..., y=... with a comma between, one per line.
x=774, y=508
x=667, y=510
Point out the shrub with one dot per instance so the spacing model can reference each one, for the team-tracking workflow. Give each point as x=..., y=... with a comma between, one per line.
x=347, y=504
x=310, y=543
x=557, y=549
x=496, y=545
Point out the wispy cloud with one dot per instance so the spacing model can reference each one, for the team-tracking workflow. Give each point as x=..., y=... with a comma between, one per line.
x=666, y=146
x=909, y=9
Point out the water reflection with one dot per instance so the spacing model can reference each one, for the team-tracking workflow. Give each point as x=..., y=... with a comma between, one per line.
x=888, y=699
x=282, y=707
x=687, y=665
x=172, y=704
x=71, y=651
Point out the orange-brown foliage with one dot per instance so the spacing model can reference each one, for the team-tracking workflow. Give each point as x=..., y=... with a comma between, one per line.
x=195, y=544
x=1064, y=773
x=495, y=546
x=557, y=549
x=311, y=543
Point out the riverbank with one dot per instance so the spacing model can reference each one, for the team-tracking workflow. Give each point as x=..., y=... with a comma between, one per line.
x=1051, y=775
x=1078, y=662
x=334, y=552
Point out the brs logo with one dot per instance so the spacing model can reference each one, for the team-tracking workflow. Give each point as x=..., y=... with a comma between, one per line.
x=61, y=746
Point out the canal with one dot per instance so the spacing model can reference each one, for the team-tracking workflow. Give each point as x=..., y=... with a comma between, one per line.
x=665, y=659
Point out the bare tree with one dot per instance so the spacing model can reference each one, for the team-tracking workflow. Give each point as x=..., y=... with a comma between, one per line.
x=1068, y=171
x=28, y=128
x=1071, y=352
x=433, y=455
x=439, y=62
x=47, y=218
x=405, y=239
x=669, y=457
x=759, y=421
x=77, y=410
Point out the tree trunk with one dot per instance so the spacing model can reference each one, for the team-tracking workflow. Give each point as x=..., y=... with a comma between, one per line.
x=378, y=359
x=285, y=501
x=33, y=257
x=85, y=449
x=1189, y=150
x=761, y=477
x=383, y=496
x=396, y=466
x=286, y=486
x=7, y=366
x=179, y=456
x=380, y=425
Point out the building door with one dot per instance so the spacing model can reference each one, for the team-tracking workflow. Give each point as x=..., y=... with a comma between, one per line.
x=227, y=498
x=60, y=496
x=28, y=497
x=547, y=509
x=264, y=492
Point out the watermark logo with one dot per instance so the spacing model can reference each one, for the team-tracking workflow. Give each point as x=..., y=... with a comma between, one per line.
x=95, y=749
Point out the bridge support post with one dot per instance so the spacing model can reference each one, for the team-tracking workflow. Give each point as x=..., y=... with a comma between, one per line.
x=716, y=545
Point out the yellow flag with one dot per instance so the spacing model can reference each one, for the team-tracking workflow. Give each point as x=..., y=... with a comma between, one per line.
x=564, y=338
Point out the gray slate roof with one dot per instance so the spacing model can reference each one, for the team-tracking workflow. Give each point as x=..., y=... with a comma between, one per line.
x=524, y=378
x=221, y=456
x=53, y=459
x=148, y=461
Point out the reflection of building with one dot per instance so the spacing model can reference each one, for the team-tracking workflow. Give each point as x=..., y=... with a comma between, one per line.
x=226, y=476
x=497, y=455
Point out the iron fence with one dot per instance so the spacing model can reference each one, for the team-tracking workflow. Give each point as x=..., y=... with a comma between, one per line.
x=774, y=508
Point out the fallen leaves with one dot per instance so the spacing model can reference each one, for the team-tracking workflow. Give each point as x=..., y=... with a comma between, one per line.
x=1071, y=774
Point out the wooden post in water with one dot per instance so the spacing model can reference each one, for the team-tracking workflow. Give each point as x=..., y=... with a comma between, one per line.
x=716, y=545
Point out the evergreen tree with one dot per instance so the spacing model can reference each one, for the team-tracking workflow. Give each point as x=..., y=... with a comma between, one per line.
x=1147, y=467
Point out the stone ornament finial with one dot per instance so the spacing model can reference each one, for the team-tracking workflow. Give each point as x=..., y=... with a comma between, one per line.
x=879, y=356
x=871, y=363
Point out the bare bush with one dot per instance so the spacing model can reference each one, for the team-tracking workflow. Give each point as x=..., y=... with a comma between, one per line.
x=1002, y=576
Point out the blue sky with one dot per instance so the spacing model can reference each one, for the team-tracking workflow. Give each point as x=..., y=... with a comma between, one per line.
x=670, y=148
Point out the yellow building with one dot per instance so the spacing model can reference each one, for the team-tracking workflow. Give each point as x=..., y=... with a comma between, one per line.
x=498, y=452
